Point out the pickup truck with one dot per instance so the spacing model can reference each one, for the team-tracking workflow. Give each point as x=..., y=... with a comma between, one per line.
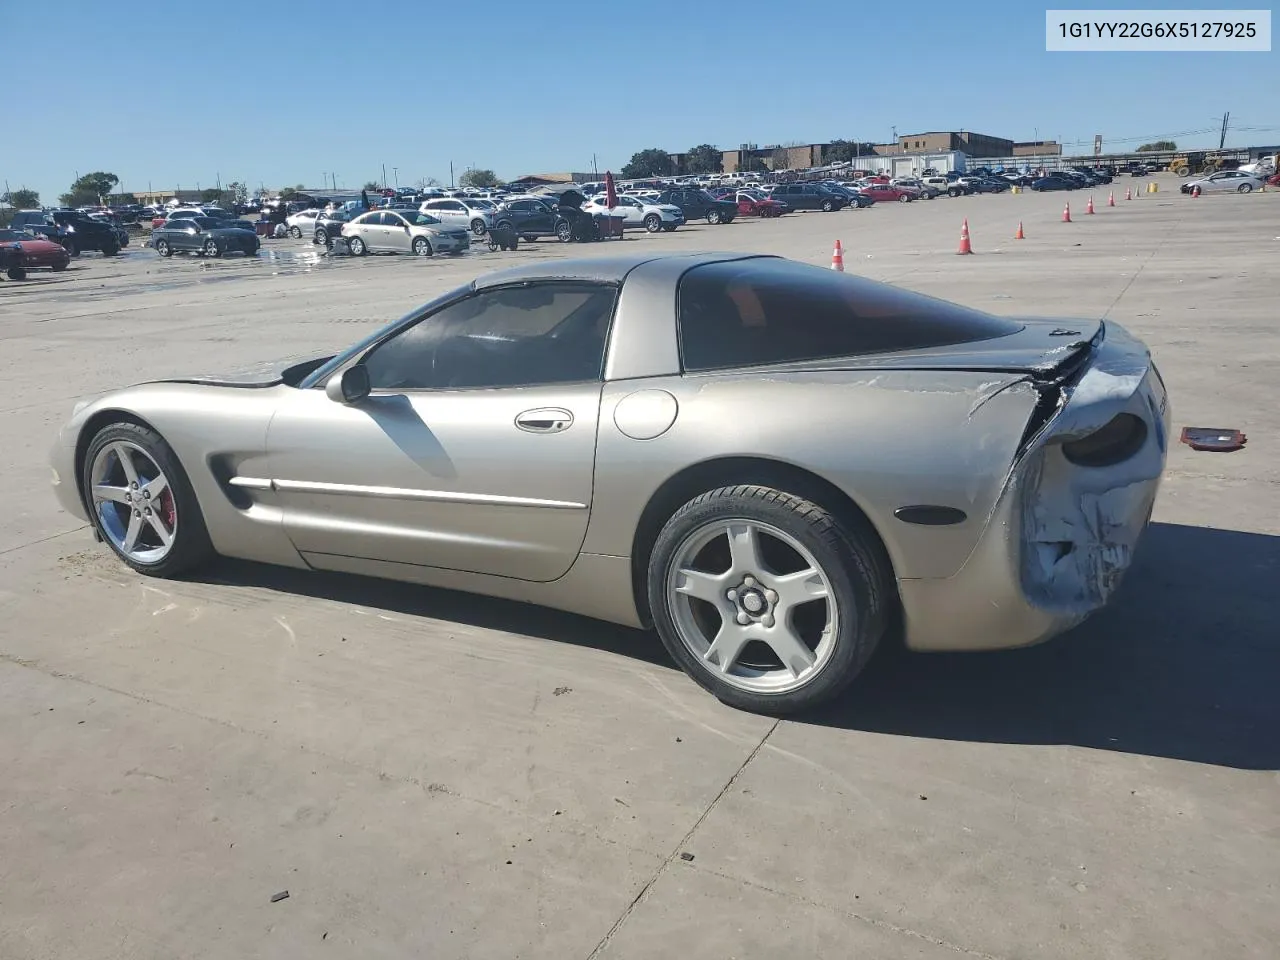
x=75, y=231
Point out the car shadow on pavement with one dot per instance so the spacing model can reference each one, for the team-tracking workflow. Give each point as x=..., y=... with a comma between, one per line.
x=491, y=613
x=1184, y=664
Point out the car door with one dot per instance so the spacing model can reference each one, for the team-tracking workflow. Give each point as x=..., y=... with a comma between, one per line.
x=183, y=234
x=475, y=450
x=395, y=231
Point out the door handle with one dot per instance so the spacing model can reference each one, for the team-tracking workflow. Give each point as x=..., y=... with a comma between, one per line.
x=545, y=420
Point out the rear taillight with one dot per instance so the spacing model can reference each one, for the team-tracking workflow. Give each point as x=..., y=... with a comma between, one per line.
x=1117, y=441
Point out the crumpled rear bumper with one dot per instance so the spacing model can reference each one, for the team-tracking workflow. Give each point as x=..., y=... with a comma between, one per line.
x=1061, y=536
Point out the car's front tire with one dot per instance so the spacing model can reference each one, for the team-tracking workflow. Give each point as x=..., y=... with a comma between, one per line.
x=564, y=231
x=421, y=247
x=653, y=223
x=767, y=599
x=322, y=237
x=477, y=227
x=141, y=502
x=1244, y=188
x=295, y=232
x=827, y=206
x=714, y=218
x=211, y=249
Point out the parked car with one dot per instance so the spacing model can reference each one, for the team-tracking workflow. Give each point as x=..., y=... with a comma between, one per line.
x=482, y=443
x=854, y=195
x=699, y=205
x=884, y=193
x=460, y=212
x=329, y=224
x=639, y=213
x=808, y=196
x=25, y=251
x=752, y=203
x=74, y=230
x=1224, y=181
x=404, y=231
x=302, y=222
x=206, y=236
x=1054, y=182
x=531, y=218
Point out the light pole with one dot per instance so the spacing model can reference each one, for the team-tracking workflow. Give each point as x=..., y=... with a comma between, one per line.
x=384, y=176
x=395, y=171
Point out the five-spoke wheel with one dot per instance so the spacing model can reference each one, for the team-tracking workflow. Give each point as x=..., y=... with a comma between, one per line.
x=767, y=599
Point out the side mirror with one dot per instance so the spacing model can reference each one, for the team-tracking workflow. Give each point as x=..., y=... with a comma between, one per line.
x=349, y=386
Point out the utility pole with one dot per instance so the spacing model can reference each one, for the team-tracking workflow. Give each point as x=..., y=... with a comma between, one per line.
x=450, y=174
x=1222, y=140
x=396, y=173
x=595, y=170
x=384, y=176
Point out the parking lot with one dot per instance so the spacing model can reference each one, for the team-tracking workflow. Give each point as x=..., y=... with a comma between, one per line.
x=437, y=775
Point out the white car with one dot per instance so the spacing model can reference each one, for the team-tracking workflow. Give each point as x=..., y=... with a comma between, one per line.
x=302, y=222
x=461, y=212
x=638, y=213
x=1225, y=181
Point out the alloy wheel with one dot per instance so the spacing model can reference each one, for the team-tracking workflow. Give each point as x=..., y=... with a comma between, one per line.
x=134, y=502
x=753, y=605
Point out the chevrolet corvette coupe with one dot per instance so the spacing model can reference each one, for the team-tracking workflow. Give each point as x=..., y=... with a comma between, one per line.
x=770, y=463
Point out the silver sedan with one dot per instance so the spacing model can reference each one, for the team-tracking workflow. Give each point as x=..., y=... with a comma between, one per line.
x=403, y=231
x=768, y=462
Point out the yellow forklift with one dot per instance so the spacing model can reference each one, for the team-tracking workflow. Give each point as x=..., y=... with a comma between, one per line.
x=1200, y=162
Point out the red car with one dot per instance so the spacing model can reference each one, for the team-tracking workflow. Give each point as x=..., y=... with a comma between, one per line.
x=881, y=192
x=752, y=204
x=26, y=252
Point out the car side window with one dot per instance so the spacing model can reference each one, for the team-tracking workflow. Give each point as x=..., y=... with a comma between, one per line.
x=521, y=336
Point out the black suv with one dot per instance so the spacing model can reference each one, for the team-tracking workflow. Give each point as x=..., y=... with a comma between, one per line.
x=699, y=205
x=72, y=229
x=808, y=196
x=530, y=218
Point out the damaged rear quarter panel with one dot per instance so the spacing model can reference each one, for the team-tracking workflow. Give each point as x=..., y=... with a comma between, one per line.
x=1080, y=525
x=887, y=438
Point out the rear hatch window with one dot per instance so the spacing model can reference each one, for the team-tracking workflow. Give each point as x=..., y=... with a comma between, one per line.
x=767, y=311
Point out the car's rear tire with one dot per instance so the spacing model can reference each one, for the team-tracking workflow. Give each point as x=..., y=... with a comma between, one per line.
x=58, y=267
x=477, y=227
x=528, y=237
x=110, y=249
x=904, y=199
x=169, y=540
x=163, y=248
x=16, y=273
x=766, y=599
x=564, y=231
x=669, y=227
x=295, y=232
x=357, y=247
x=72, y=248
x=421, y=247
x=653, y=223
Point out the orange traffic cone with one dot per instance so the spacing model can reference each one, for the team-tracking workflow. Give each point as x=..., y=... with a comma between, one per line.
x=1089, y=207
x=1195, y=191
x=964, y=238
x=837, y=258
x=1128, y=193
x=1066, y=213
x=1111, y=199
x=1019, y=235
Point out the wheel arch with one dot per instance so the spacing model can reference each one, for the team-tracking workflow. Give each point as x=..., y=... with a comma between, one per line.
x=697, y=478
x=92, y=427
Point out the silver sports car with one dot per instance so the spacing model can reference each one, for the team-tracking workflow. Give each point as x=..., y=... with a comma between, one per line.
x=770, y=463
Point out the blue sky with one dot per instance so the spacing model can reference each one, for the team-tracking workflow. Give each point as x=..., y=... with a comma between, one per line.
x=176, y=93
